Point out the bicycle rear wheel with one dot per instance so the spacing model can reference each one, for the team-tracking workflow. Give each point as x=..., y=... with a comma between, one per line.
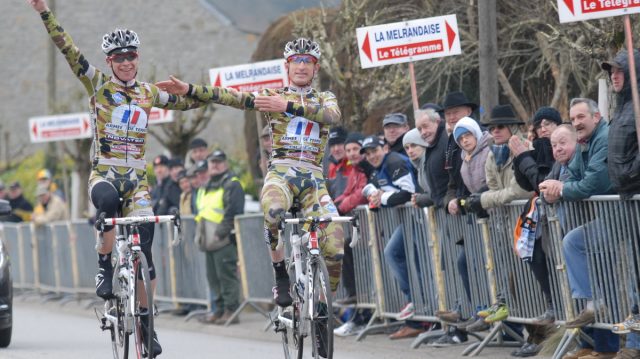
x=321, y=302
x=141, y=272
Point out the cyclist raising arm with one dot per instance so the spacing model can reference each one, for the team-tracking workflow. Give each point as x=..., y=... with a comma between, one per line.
x=299, y=119
x=119, y=107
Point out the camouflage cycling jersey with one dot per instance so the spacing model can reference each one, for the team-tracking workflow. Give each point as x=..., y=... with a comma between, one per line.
x=299, y=135
x=119, y=111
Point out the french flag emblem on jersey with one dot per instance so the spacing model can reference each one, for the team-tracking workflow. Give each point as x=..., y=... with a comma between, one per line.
x=307, y=128
x=134, y=115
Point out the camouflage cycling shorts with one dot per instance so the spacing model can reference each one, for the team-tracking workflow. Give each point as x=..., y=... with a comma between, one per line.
x=131, y=184
x=284, y=183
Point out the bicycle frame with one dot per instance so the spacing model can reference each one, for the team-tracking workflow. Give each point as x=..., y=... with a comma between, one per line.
x=303, y=251
x=121, y=313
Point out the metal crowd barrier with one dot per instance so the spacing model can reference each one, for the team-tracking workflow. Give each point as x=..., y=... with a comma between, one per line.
x=60, y=259
x=254, y=262
x=611, y=234
x=420, y=263
x=366, y=288
x=382, y=224
x=187, y=267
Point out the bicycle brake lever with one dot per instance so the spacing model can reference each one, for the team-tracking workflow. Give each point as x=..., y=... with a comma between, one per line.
x=99, y=225
x=354, y=237
x=280, y=234
x=355, y=232
x=177, y=229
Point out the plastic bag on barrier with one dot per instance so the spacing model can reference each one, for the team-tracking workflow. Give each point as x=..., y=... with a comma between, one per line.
x=205, y=237
x=525, y=232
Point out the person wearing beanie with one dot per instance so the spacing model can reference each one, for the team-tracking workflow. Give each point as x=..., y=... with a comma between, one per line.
x=467, y=125
x=545, y=120
x=531, y=167
x=475, y=146
x=339, y=167
x=415, y=147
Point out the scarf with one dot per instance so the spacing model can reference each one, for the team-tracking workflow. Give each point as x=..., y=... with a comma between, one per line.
x=501, y=154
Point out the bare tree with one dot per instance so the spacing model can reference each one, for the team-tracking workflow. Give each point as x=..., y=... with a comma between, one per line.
x=540, y=61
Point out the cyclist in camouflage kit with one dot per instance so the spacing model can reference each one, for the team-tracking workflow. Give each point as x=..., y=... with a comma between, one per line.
x=299, y=119
x=119, y=107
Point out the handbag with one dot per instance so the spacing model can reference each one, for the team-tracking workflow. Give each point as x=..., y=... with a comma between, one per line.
x=524, y=232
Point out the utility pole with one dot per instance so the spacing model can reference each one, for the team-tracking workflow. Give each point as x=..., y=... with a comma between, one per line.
x=50, y=156
x=488, y=61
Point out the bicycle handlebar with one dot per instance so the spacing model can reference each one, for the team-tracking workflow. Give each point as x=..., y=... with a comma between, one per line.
x=319, y=220
x=175, y=218
x=138, y=220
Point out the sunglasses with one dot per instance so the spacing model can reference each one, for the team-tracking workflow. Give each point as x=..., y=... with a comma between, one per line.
x=120, y=58
x=299, y=59
x=496, y=127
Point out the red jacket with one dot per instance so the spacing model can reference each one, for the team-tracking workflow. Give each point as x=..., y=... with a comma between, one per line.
x=352, y=195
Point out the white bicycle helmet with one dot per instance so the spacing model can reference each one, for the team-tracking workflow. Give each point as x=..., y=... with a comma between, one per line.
x=302, y=46
x=119, y=39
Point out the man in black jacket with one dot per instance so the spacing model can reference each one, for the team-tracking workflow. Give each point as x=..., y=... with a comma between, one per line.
x=456, y=106
x=432, y=130
x=623, y=158
x=21, y=209
x=170, y=194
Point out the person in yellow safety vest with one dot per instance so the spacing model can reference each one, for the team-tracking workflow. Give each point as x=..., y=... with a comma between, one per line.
x=217, y=203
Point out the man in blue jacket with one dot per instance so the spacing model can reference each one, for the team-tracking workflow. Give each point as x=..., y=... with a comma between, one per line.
x=393, y=177
x=587, y=175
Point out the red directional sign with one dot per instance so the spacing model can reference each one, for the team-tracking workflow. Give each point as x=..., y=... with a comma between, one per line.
x=160, y=115
x=59, y=127
x=251, y=77
x=578, y=10
x=408, y=41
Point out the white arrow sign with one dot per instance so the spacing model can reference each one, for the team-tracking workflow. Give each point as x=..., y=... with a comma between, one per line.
x=75, y=126
x=578, y=10
x=60, y=127
x=408, y=41
x=251, y=77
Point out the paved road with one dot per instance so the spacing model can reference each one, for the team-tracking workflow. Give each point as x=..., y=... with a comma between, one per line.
x=53, y=331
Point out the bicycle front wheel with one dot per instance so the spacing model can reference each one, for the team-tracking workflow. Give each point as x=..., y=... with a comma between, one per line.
x=292, y=340
x=119, y=335
x=141, y=273
x=322, y=309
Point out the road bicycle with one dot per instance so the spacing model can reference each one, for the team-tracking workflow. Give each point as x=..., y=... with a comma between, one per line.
x=121, y=316
x=311, y=313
